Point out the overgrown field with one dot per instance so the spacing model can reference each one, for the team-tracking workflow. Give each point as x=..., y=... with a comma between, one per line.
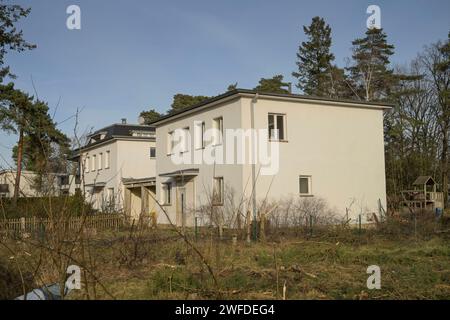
x=158, y=264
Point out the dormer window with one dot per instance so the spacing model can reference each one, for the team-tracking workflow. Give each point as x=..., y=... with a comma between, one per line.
x=147, y=134
x=97, y=137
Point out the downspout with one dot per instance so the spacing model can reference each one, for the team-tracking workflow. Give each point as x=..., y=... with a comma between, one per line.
x=252, y=123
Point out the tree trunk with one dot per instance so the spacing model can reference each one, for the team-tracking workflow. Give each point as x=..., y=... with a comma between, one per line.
x=19, y=168
x=444, y=164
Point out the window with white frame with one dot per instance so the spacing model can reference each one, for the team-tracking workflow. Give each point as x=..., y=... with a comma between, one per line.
x=93, y=163
x=152, y=152
x=305, y=185
x=107, y=159
x=100, y=161
x=167, y=193
x=170, y=142
x=277, y=126
x=218, y=131
x=86, y=164
x=110, y=196
x=185, y=140
x=199, y=135
x=218, y=193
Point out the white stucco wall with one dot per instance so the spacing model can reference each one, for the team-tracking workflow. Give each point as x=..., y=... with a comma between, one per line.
x=128, y=159
x=197, y=192
x=339, y=145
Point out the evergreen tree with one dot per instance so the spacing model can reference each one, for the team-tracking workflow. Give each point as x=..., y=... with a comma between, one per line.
x=38, y=136
x=181, y=101
x=232, y=87
x=10, y=38
x=273, y=85
x=150, y=116
x=315, y=71
x=370, y=75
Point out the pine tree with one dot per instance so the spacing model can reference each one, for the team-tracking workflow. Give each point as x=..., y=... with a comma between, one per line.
x=181, y=101
x=10, y=38
x=370, y=75
x=273, y=85
x=38, y=136
x=315, y=76
x=150, y=116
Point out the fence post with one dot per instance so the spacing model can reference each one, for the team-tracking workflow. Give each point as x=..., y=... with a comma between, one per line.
x=196, y=229
x=22, y=224
x=310, y=225
x=359, y=222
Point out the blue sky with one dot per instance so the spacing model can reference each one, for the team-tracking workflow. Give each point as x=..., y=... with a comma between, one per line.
x=134, y=55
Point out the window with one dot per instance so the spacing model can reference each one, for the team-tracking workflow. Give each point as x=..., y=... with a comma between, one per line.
x=218, y=131
x=110, y=196
x=100, y=161
x=4, y=188
x=276, y=126
x=218, y=191
x=185, y=140
x=170, y=143
x=152, y=152
x=86, y=164
x=167, y=191
x=94, y=158
x=199, y=135
x=107, y=159
x=305, y=185
x=145, y=134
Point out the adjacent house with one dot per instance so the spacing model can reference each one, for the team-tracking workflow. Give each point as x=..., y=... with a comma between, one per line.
x=29, y=186
x=268, y=146
x=117, y=168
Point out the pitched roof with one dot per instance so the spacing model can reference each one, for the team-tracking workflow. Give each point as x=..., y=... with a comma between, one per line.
x=420, y=181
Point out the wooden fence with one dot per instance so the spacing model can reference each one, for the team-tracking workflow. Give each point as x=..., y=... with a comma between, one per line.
x=35, y=224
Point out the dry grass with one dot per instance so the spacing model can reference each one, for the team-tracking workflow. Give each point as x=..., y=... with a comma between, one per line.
x=159, y=265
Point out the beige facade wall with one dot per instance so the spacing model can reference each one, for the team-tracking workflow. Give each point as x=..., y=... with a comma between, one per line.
x=26, y=186
x=128, y=158
x=198, y=189
x=339, y=145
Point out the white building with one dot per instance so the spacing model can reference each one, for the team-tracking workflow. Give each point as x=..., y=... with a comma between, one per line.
x=327, y=149
x=28, y=184
x=117, y=168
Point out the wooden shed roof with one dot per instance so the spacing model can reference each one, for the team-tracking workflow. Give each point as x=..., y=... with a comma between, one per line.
x=422, y=180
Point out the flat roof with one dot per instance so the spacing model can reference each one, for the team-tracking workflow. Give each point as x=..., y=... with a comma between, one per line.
x=244, y=92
